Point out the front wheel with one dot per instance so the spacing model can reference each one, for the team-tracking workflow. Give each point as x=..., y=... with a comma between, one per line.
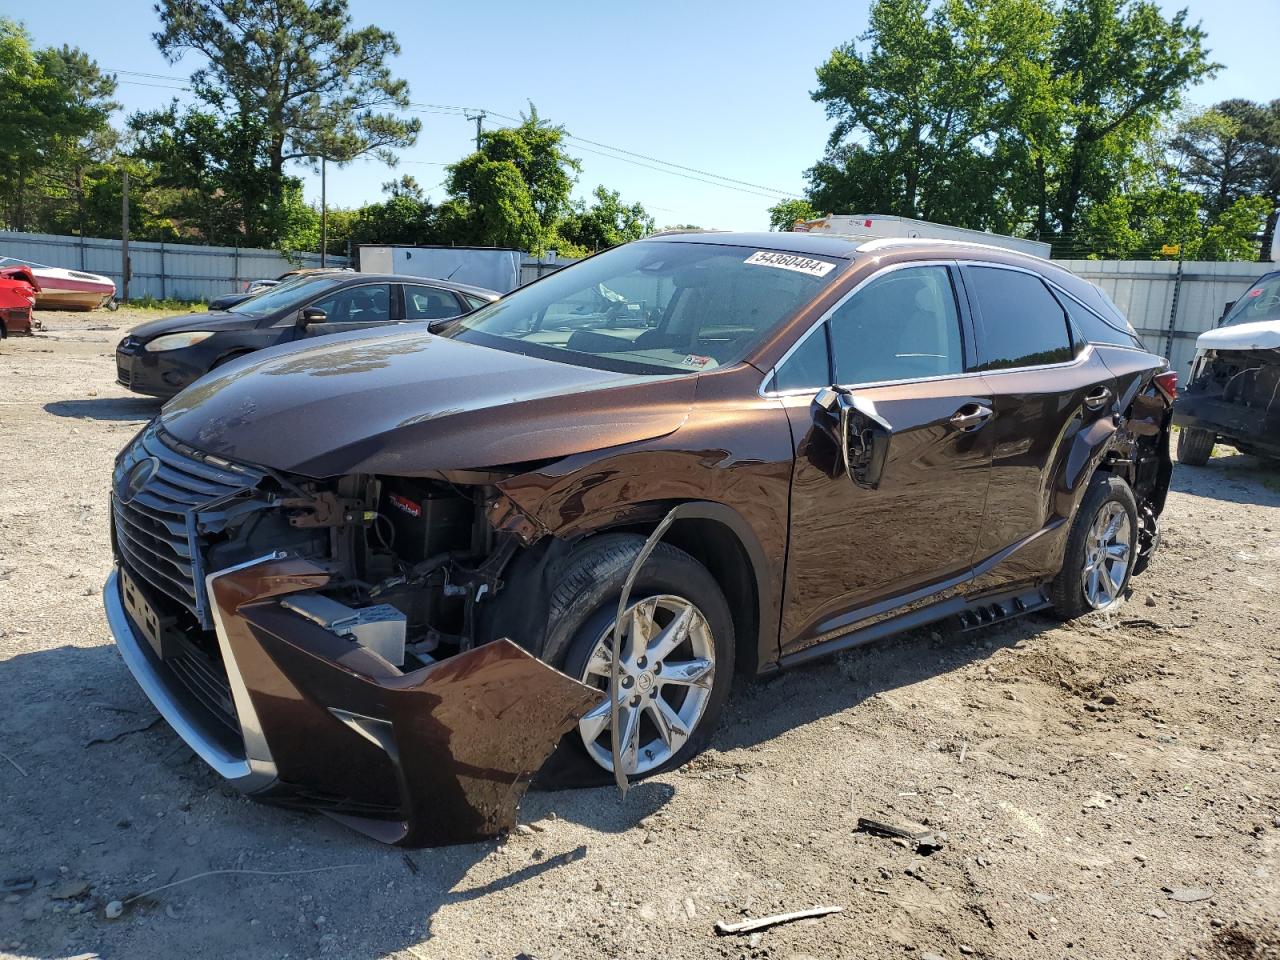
x=676, y=663
x=1195, y=446
x=1100, y=551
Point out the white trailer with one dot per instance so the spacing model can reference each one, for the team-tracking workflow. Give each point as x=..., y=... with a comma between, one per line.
x=874, y=226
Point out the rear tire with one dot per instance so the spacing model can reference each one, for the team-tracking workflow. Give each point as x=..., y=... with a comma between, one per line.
x=1195, y=446
x=584, y=605
x=1095, y=571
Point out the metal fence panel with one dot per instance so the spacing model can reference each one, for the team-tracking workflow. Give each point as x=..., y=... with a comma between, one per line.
x=162, y=270
x=1144, y=290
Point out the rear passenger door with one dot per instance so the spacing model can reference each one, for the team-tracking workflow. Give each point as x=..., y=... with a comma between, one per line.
x=422, y=302
x=1047, y=384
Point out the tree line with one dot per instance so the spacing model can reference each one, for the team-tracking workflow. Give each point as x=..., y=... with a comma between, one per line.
x=280, y=85
x=1059, y=120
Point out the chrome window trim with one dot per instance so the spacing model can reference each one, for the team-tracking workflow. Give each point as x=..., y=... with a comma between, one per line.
x=772, y=373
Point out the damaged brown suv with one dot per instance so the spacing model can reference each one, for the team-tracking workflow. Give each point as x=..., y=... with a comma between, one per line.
x=382, y=575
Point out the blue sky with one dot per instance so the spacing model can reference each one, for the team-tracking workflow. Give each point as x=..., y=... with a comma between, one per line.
x=720, y=86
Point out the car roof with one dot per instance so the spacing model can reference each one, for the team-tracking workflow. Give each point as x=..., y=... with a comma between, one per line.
x=843, y=245
x=832, y=246
x=425, y=281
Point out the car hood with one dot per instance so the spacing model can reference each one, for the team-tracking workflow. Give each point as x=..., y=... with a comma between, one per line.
x=1262, y=335
x=411, y=403
x=187, y=322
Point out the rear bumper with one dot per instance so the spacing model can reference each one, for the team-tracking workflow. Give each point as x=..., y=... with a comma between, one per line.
x=439, y=755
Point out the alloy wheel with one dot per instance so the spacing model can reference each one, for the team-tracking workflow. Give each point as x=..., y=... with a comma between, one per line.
x=1106, y=555
x=665, y=678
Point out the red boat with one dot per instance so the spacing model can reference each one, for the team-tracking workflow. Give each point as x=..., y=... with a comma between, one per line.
x=18, y=291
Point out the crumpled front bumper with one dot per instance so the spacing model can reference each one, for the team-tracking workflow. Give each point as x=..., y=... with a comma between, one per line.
x=435, y=756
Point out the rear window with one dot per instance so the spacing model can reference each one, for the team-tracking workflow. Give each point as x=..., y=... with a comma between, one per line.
x=1022, y=324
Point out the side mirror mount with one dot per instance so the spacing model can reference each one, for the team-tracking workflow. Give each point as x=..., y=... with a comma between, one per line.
x=1225, y=310
x=309, y=315
x=859, y=432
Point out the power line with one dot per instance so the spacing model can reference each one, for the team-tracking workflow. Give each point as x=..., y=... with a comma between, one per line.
x=478, y=114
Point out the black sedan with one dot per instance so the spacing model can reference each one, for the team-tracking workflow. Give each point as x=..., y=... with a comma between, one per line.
x=162, y=357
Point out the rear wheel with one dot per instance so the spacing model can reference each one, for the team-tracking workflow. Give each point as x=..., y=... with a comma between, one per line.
x=1195, y=446
x=676, y=662
x=1100, y=550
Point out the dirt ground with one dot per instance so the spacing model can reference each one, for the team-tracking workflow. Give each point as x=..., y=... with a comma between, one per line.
x=1108, y=788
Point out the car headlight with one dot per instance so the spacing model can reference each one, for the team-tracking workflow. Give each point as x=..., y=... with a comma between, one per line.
x=176, y=341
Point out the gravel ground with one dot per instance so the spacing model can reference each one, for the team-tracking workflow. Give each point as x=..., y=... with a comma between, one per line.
x=1107, y=788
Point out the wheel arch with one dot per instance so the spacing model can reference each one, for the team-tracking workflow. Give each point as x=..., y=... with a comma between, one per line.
x=717, y=537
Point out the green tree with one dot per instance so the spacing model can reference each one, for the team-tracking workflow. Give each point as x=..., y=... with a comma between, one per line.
x=608, y=222
x=1013, y=115
x=784, y=214
x=283, y=80
x=54, y=107
x=513, y=190
x=406, y=216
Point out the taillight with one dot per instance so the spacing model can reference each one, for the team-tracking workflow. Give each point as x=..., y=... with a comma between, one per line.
x=1168, y=383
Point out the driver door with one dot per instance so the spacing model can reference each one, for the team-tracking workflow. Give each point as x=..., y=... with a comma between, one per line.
x=354, y=308
x=870, y=537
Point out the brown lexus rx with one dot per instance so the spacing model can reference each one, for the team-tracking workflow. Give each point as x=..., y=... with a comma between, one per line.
x=380, y=575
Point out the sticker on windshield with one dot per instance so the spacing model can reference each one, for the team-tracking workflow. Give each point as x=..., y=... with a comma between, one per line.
x=789, y=261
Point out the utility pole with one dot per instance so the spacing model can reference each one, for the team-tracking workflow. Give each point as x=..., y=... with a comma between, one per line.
x=324, y=215
x=124, y=233
x=479, y=119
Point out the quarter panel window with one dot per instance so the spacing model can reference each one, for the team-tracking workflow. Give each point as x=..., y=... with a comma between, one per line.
x=903, y=325
x=429, y=303
x=809, y=367
x=1093, y=327
x=1022, y=324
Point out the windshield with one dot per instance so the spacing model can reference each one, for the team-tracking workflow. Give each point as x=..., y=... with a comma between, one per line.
x=652, y=307
x=1261, y=302
x=291, y=293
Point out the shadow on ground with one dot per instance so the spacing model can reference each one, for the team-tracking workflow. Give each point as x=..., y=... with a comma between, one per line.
x=1236, y=478
x=106, y=408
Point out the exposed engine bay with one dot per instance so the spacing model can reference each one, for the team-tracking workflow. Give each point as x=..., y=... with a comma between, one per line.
x=1236, y=394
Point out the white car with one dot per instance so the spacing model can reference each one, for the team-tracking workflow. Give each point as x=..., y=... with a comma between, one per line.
x=1233, y=393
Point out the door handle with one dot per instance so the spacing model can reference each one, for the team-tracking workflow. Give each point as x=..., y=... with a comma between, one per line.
x=1097, y=398
x=971, y=416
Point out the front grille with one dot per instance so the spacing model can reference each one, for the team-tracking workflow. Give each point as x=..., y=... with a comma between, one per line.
x=124, y=373
x=207, y=681
x=159, y=485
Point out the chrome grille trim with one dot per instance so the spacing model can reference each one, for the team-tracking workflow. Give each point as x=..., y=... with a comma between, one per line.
x=155, y=530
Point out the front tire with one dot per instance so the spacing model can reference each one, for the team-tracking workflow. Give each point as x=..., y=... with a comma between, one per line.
x=1195, y=446
x=677, y=658
x=1101, y=549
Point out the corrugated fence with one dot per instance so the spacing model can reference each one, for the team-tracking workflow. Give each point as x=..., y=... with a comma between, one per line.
x=161, y=270
x=1170, y=311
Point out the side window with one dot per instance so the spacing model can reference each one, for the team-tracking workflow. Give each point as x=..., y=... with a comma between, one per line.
x=901, y=326
x=368, y=303
x=809, y=367
x=1022, y=324
x=429, y=303
x=1091, y=326
x=475, y=303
